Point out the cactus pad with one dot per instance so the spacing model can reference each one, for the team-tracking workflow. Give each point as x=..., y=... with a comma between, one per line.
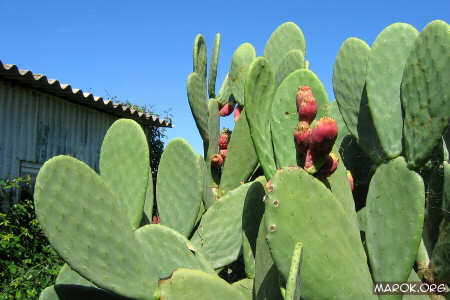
x=196, y=92
x=349, y=78
x=168, y=250
x=394, y=216
x=213, y=67
x=179, y=188
x=425, y=93
x=242, y=58
x=241, y=158
x=286, y=37
x=336, y=264
x=125, y=166
x=259, y=90
x=292, y=61
x=384, y=76
x=267, y=278
x=197, y=285
x=221, y=244
x=293, y=285
x=200, y=56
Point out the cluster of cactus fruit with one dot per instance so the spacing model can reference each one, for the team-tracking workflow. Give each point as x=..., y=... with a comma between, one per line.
x=314, y=146
x=296, y=236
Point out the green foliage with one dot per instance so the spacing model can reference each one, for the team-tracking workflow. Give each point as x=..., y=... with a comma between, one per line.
x=28, y=263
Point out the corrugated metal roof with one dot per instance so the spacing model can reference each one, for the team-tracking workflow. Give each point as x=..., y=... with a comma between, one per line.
x=53, y=86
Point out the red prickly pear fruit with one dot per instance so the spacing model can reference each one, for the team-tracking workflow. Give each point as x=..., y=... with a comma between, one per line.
x=224, y=152
x=313, y=163
x=306, y=104
x=303, y=92
x=155, y=220
x=227, y=109
x=224, y=138
x=309, y=162
x=216, y=161
x=323, y=136
x=329, y=167
x=307, y=110
x=301, y=137
x=237, y=112
x=350, y=179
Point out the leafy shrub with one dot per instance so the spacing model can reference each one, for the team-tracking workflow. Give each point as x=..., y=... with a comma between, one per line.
x=28, y=263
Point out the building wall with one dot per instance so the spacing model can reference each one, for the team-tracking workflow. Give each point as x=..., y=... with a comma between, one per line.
x=35, y=126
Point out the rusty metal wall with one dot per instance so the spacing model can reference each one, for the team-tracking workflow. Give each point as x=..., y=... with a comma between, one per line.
x=35, y=126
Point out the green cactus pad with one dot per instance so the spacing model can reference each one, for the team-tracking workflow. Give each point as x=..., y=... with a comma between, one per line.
x=149, y=200
x=349, y=78
x=219, y=243
x=367, y=136
x=179, y=188
x=49, y=293
x=241, y=61
x=213, y=129
x=241, y=157
x=70, y=285
x=394, y=216
x=259, y=91
x=425, y=93
x=200, y=56
x=68, y=276
x=301, y=208
x=196, y=92
x=286, y=37
x=87, y=225
x=285, y=116
x=267, y=278
x=213, y=67
x=208, y=195
x=340, y=187
x=245, y=286
x=362, y=219
x=200, y=213
x=76, y=292
x=251, y=218
x=197, y=285
x=414, y=278
x=225, y=94
x=384, y=76
x=293, y=60
x=168, y=250
x=342, y=128
x=293, y=285
x=125, y=166
x=441, y=252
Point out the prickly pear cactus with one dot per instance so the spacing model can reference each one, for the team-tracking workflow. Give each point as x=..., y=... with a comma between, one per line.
x=302, y=199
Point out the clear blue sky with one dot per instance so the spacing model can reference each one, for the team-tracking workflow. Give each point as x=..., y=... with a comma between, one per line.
x=142, y=50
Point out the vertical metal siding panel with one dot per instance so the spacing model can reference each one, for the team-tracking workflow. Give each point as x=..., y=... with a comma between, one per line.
x=10, y=134
x=53, y=128
x=92, y=120
x=25, y=115
x=4, y=138
x=15, y=131
x=3, y=124
x=29, y=118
